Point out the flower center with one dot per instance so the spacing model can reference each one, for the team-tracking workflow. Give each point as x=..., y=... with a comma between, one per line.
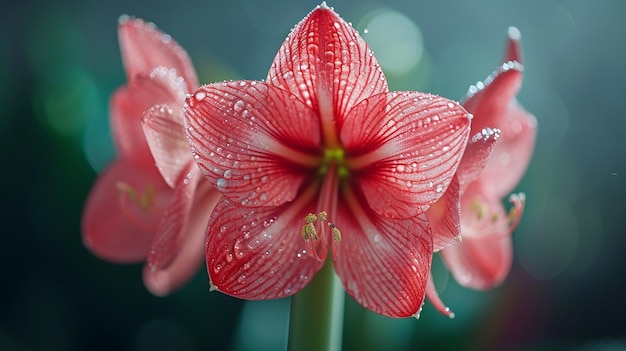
x=335, y=156
x=317, y=229
x=138, y=206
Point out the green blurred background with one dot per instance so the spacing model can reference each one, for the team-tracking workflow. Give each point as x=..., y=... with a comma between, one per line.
x=60, y=62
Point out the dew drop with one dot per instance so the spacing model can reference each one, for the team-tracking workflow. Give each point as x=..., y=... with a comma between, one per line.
x=228, y=174
x=229, y=257
x=439, y=188
x=246, y=266
x=223, y=229
x=217, y=268
x=221, y=183
x=450, y=105
x=242, y=278
x=237, y=249
x=377, y=238
x=200, y=96
x=400, y=168
x=239, y=106
x=264, y=179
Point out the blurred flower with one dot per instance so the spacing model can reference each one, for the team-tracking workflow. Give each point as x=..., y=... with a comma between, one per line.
x=322, y=146
x=136, y=211
x=488, y=171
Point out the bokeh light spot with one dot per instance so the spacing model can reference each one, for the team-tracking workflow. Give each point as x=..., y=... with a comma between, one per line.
x=395, y=39
x=65, y=101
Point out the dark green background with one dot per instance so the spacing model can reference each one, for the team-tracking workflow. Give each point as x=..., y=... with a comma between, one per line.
x=60, y=62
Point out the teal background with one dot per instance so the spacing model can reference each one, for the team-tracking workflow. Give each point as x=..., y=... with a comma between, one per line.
x=60, y=61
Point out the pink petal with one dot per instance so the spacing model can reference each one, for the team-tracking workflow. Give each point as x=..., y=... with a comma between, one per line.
x=514, y=46
x=383, y=263
x=404, y=149
x=489, y=101
x=510, y=158
x=165, y=133
x=190, y=255
x=476, y=155
x=161, y=86
x=174, y=221
x=145, y=48
x=435, y=300
x=479, y=263
x=324, y=58
x=115, y=227
x=253, y=141
x=483, y=259
x=445, y=217
x=259, y=253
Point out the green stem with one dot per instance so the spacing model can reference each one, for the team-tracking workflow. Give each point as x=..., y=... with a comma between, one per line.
x=316, y=320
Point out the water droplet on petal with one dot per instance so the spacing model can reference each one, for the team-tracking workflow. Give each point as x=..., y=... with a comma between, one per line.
x=239, y=106
x=221, y=183
x=200, y=96
x=439, y=188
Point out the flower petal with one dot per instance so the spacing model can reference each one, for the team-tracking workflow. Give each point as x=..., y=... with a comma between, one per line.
x=161, y=86
x=253, y=141
x=383, y=263
x=514, y=46
x=404, y=149
x=324, y=55
x=510, y=158
x=476, y=155
x=445, y=217
x=190, y=255
x=165, y=133
x=168, y=239
x=488, y=101
x=479, y=263
x=144, y=48
x=483, y=259
x=122, y=212
x=435, y=300
x=259, y=253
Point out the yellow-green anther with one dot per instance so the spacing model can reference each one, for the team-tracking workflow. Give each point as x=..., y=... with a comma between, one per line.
x=494, y=218
x=479, y=208
x=322, y=216
x=336, y=234
x=310, y=218
x=309, y=232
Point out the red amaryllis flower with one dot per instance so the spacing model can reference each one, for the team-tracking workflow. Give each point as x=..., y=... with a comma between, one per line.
x=136, y=211
x=321, y=154
x=488, y=171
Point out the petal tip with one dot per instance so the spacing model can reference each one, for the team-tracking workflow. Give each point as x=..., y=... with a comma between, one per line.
x=158, y=283
x=123, y=19
x=514, y=33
